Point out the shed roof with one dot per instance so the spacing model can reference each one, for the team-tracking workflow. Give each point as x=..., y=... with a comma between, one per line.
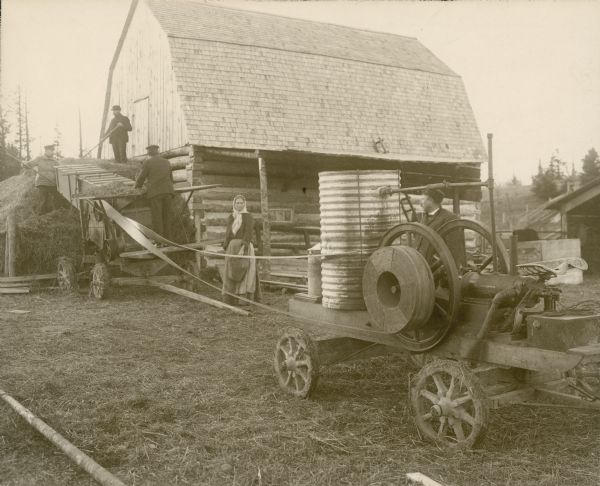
x=259, y=81
x=577, y=198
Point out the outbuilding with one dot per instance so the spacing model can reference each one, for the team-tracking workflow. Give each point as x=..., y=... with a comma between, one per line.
x=261, y=103
x=580, y=218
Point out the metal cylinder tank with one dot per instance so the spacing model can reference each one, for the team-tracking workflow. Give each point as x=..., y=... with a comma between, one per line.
x=353, y=217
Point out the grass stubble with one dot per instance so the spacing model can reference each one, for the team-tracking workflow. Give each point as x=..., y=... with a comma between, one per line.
x=162, y=390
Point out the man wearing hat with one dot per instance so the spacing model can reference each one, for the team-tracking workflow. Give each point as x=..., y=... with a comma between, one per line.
x=45, y=179
x=157, y=171
x=435, y=216
x=118, y=138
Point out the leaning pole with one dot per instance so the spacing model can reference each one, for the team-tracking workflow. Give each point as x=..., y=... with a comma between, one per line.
x=78, y=457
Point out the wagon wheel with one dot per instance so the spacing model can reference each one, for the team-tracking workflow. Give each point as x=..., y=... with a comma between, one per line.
x=447, y=284
x=460, y=225
x=100, y=281
x=66, y=275
x=190, y=283
x=296, y=363
x=110, y=250
x=449, y=404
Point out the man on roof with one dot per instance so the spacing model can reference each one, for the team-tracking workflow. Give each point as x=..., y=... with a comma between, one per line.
x=157, y=171
x=118, y=136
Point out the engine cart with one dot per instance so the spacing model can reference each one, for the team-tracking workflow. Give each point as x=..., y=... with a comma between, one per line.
x=483, y=337
x=108, y=250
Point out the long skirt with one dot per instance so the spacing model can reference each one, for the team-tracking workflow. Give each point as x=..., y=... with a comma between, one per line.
x=238, y=277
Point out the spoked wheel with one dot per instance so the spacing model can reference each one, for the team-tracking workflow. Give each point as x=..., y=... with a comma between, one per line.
x=449, y=405
x=100, y=281
x=66, y=274
x=446, y=281
x=455, y=230
x=296, y=363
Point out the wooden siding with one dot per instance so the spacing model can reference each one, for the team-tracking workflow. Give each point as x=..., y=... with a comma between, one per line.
x=143, y=84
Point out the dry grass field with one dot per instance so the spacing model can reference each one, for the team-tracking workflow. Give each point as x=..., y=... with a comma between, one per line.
x=166, y=391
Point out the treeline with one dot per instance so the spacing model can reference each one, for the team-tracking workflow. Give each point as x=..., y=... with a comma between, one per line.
x=555, y=178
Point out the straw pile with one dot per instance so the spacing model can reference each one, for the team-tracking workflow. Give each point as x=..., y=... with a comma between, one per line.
x=42, y=238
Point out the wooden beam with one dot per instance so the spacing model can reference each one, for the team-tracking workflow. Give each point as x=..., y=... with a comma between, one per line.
x=198, y=297
x=29, y=278
x=197, y=159
x=11, y=245
x=264, y=208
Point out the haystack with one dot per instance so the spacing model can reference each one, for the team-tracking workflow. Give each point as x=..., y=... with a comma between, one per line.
x=45, y=238
x=41, y=238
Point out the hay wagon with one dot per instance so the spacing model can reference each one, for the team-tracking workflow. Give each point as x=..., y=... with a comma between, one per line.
x=109, y=254
x=483, y=336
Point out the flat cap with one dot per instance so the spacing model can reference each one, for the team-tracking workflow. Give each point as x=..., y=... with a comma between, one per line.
x=150, y=147
x=116, y=107
x=49, y=146
x=435, y=194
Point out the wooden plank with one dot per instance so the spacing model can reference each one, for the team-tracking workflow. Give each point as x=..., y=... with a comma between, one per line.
x=6, y=285
x=15, y=290
x=29, y=278
x=198, y=297
x=285, y=285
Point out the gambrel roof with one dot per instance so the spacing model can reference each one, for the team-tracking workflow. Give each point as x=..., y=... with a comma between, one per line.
x=258, y=81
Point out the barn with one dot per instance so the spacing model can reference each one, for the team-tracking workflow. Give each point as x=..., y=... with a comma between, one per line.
x=261, y=103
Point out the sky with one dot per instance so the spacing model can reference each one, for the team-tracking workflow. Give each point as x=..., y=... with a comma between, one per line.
x=531, y=69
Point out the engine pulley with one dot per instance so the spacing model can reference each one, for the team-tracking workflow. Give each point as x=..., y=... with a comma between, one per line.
x=398, y=289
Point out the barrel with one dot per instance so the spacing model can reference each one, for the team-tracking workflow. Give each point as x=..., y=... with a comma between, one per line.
x=354, y=216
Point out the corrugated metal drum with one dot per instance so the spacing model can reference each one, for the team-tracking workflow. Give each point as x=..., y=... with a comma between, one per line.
x=353, y=218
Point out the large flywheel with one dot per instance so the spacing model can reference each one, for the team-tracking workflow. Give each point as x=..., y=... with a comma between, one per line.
x=476, y=255
x=424, y=334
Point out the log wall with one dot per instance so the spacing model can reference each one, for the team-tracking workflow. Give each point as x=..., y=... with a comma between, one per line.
x=291, y=190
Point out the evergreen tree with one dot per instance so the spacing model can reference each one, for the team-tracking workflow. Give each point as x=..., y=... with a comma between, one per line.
x=551, y=181
x=591, y=166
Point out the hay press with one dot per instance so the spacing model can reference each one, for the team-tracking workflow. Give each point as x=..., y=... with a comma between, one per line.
x=484, y=336
x=108, y=250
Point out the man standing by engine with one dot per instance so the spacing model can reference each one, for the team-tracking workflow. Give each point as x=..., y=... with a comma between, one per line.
x=118, y=138
x=45, y=179
x=435, y=216
x=160, y=189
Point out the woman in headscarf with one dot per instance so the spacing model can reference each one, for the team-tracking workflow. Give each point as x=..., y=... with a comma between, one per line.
x=240, y=273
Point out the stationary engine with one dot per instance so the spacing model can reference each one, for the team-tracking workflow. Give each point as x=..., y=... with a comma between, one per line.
x=420, y=284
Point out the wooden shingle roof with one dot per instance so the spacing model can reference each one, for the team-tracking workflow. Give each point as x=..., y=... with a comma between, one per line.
x=259, y=81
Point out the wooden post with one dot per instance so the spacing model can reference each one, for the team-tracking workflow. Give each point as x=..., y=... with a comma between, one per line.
x=456, y=201
x=10, y=252
x=264, y=209
x=197, y=203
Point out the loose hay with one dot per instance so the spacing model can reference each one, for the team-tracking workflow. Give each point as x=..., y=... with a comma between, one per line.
x=114, y=189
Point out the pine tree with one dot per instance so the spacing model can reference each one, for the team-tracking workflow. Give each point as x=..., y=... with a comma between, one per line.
x=591, y=166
